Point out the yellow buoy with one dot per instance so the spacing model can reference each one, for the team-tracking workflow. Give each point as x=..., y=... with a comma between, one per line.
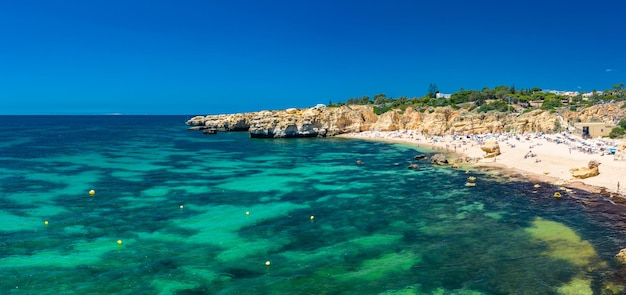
x=181, y=206
x=247, y=212
x=537, y=185
x=92, y=192
x=45, y=222
x=267, y=263
x=119, y=242
x=557, y=195
x=312, y=217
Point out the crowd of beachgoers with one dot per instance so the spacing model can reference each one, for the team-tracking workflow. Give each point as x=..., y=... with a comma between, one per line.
x=544, y=156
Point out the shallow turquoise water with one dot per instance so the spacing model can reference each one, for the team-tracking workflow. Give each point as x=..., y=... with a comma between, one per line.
x=378, y=228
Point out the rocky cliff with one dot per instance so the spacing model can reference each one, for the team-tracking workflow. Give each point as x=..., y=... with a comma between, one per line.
x=319, y=121
x=610, y=113
x=328, y=121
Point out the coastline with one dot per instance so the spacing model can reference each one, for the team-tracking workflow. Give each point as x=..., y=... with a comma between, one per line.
x=551, y=161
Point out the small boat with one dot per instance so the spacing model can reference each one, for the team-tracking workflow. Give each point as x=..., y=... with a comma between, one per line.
x=209, y=131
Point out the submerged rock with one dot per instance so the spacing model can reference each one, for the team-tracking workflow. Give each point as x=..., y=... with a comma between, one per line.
x=563, y=243
x=419, y=157
x=621, y=256
x=414, y=167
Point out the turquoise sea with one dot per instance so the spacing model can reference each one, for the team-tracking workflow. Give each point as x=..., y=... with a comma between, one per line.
x=227, y=214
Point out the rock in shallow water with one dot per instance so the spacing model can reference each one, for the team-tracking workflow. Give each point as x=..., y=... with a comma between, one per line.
x=621, y=256
x=439, y=159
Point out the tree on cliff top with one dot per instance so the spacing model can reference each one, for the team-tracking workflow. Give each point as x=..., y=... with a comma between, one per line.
x=380, y=99
x=432, y=90
x=362, y=101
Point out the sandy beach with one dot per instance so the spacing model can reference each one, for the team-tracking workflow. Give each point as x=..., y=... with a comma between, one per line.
x=543, y=157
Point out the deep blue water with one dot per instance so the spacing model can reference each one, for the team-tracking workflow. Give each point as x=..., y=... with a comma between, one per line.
x=202, y=214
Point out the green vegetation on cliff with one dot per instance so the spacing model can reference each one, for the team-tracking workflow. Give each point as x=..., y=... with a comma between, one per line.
x=500, y=99
x=620, y=130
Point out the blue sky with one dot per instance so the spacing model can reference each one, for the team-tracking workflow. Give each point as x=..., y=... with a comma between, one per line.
x=209, y=57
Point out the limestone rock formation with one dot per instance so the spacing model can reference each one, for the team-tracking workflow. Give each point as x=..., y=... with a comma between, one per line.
x=609, y=113
x=535, y=121
x=310, y=122
x=437, y=122
x=621, y=257
x=388, y=121
x=233, y=122
x=492, y=148
x=411, y=119
x=328, y=121
x=196, y=121
x=439, y=159
x=586, y=172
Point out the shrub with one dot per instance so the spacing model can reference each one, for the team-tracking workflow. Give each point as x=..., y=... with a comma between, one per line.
x=381, y=110
x=497, y=105
x=617, y=132
x=551, y=103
